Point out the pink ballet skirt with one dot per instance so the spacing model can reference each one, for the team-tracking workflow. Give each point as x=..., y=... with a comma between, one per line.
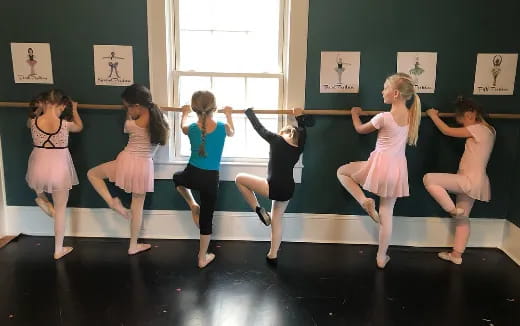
x=386, y=172
x=133, y=173
x=50, y=166
x=134, y=170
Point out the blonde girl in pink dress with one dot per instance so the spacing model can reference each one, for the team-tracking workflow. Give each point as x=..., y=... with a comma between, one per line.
x=133, y=169
x=471, y=182
x=385, y=173
x=50, y=168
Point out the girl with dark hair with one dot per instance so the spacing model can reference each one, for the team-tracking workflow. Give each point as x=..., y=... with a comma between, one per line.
x=471, y=181
x=207, y=138
x=133, y=169
x=50, y=168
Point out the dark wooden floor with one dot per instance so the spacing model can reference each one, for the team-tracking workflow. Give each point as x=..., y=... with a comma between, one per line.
x=313, y=284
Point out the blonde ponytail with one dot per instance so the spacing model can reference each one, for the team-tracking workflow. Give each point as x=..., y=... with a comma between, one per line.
x=414, y=120
x=404, y=84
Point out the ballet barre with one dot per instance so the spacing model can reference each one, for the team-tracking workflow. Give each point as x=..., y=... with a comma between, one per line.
x=366, y=112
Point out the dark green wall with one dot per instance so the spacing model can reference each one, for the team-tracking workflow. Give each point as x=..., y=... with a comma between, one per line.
x=376, y=28
x=457, y=31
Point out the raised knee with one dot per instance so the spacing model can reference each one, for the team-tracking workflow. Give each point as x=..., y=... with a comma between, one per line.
x=427, y=179
x=241, y=178
x=91, y=173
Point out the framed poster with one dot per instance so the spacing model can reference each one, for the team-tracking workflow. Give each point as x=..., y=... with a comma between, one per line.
x=495, y=74
x=32, y=63
x=339, y=72
x=421, y=66
x=113, y=65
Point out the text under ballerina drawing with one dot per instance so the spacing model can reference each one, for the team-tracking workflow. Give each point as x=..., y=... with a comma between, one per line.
x=32, y=63
x=422, y=67
x=113, y=65
x=339, y=72
x=495, y=73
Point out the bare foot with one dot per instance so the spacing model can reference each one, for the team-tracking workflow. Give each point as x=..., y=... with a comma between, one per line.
x=208, y=258
x=195, y=214
x=64, y=251
x=381, y=262
x=140, y=247
x=118, y=207
x=271, y=255
x=45, y=205
x=369, y=205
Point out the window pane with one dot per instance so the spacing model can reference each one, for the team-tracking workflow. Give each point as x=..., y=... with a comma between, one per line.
x=263, y=92
x=229, y=35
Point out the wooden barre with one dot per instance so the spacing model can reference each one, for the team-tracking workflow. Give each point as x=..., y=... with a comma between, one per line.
x=263, y=111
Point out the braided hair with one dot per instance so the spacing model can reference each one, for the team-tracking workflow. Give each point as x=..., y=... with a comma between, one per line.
x=203, y=103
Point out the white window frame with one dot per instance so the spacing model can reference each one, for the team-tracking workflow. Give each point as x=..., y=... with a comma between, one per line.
x=161, y=53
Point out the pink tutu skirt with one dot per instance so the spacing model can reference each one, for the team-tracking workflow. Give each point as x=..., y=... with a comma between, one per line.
x=51, y=170
x=383, y=174
x=133, y=173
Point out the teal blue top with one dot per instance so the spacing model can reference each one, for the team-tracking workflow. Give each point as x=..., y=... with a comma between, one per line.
x=214, y=146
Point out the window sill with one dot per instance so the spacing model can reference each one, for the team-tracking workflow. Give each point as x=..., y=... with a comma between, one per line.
x=228, y=170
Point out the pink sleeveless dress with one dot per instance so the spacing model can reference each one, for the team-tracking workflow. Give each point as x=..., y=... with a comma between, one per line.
x=386, y=172
x=474, y=162
x=50, y=166
x=134, y=172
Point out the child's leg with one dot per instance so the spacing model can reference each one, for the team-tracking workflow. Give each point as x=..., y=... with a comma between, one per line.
x=344, y=176
x=208, y=199
x=277, y=210
x=249, y=184
x=386, y=212
x=439, y=184
x=60, y=199
x=136, y=209
x=192, y=203
x=462, y=226
x=96, y=176
x=183, y=181
x=45, y=205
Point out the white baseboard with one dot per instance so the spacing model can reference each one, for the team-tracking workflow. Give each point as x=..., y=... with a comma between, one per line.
x=511, y=242
x=320, y=228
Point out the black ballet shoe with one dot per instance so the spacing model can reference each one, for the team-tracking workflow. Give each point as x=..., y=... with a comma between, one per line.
x=271, y=261
x=263, y=215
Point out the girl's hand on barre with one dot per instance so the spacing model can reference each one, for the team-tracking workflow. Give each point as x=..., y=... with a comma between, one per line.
x=186, y=109
x=356, y=110
x=297, y=112
x=432, y=112
x=227, y=110
x=74, y=105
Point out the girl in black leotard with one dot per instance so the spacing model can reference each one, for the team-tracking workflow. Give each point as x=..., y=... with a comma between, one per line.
x=285, y=150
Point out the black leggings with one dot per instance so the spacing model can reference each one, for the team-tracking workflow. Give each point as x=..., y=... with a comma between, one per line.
x=206, y=182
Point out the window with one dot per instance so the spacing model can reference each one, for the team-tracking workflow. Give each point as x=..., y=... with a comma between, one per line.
x=233, y=48
x=263, y=65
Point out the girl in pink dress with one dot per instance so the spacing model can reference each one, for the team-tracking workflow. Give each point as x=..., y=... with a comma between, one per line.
x=50, y=168
x=385, y=173
x=133, y=169
x=471, y=181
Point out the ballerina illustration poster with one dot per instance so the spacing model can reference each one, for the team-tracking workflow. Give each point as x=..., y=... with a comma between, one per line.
x=495, y=73
x=113, y=65
x=32, y=63
x=421, y=66
x=339, y=72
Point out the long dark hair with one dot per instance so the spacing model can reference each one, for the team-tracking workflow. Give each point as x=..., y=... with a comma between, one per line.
x=158, y=128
